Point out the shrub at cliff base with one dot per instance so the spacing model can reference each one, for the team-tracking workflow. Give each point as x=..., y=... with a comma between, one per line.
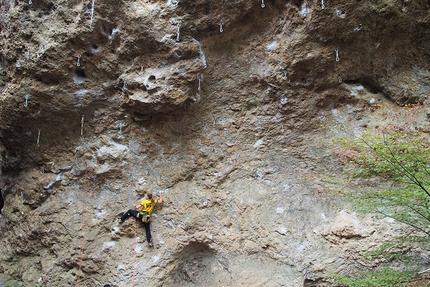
x=390, y=177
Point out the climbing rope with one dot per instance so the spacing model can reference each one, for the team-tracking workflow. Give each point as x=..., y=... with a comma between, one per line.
x=81, y=251
x=83, y=231
x=135, y=252
x=83, y=240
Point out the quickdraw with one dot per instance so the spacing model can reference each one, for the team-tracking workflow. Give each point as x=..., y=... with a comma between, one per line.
x=92, y=14
x=38, y=139
x=178, y=34
x=82, y=125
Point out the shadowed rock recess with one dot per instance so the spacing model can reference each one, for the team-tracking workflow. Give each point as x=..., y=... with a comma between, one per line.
x=228, y=107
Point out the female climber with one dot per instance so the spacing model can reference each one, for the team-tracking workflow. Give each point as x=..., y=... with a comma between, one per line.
x=143, y=212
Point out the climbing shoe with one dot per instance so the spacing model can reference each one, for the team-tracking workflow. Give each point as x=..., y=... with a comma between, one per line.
x=120, y=221
x=150, y=244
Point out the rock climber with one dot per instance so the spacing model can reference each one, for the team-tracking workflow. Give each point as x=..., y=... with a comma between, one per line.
x=143, y=212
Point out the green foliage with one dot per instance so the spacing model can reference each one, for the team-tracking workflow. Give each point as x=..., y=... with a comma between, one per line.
x=398, y=163
x=390, y=251
x=390, y=177
x=386, y=277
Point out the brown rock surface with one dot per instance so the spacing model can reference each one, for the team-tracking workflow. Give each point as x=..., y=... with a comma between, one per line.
x=100, y=105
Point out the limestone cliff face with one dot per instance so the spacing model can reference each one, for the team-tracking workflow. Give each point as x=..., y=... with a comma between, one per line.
x=228, y=107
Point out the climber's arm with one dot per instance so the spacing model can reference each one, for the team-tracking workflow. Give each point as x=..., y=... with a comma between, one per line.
x=161, y=198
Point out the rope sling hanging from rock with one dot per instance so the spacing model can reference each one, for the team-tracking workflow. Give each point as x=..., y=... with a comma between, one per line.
x=38, y=139
x=82, y=125
x=26, y=100
x=92, y=15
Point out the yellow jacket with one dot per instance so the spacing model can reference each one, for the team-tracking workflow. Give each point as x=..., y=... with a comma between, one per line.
x=148, y=206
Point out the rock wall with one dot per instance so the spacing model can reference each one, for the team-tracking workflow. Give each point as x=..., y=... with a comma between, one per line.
x=228, y=107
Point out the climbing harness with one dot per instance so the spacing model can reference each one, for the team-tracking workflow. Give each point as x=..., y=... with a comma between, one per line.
x=143, y=216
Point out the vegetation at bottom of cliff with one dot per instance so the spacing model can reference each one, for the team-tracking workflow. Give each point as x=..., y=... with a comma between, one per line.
x=386, y=277
x=390, y=178
x=391, y=174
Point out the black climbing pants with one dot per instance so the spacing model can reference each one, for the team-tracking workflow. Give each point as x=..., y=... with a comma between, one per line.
x=135, y=213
